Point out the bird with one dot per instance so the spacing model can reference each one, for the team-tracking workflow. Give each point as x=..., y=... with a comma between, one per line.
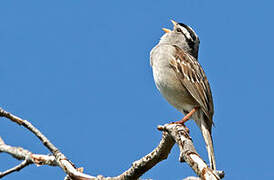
x=182, y=81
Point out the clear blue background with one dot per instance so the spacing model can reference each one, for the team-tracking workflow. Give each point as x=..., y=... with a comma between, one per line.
x=79, y=71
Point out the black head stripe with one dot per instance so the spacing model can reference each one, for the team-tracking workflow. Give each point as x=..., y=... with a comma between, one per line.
x=192, y=34
x=182, y=24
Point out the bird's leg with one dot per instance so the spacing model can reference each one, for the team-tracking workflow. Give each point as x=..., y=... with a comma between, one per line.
x=186, y=118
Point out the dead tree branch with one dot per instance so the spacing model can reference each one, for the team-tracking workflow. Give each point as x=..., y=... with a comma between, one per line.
x=172, y=133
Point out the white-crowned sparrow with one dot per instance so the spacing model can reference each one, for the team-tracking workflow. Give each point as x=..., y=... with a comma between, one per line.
x=182, y=81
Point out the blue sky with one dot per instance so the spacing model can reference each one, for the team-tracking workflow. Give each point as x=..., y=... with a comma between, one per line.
x=79, y=71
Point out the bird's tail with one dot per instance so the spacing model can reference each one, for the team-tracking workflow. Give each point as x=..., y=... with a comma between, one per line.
x=206, y=132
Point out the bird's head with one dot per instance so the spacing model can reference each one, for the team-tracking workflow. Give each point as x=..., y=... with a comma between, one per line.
x=182, y=36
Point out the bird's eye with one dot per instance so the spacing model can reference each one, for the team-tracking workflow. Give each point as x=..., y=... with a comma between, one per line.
x=178, y=30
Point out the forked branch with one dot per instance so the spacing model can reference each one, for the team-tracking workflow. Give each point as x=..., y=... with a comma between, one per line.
x=172, y=133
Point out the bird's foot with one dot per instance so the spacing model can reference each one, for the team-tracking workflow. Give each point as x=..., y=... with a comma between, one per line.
x=186, y=118
x=181, y=123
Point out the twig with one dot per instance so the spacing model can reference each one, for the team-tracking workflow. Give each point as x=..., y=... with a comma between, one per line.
x=60, y=158
x=23, y=154
x=30, y=127
x=16, y=168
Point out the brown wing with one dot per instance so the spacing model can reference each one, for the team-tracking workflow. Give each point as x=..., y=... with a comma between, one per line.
x=193, y=77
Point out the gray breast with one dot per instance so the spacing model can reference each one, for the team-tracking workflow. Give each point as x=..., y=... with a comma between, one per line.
x=166, y=80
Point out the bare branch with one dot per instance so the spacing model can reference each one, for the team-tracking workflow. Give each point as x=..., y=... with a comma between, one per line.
x=171, y=133
x=188, y=153
x=60, y=158
x=23, y=154
x=16, y=168
x=141, y=166
x=30, y=127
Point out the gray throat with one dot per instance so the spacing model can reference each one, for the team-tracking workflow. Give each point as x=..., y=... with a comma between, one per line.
x=189, y=47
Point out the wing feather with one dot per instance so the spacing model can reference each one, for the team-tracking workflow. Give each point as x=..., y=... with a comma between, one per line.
x=192, y=76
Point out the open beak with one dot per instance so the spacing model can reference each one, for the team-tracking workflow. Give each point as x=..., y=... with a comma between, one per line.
x=166, y=30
